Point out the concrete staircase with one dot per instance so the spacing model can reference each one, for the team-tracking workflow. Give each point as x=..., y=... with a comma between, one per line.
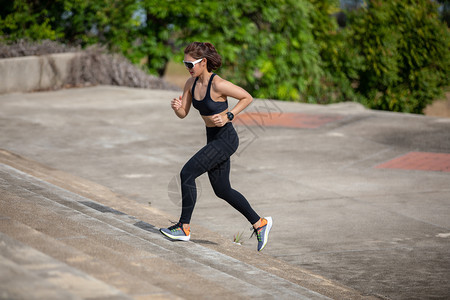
x=63, y=237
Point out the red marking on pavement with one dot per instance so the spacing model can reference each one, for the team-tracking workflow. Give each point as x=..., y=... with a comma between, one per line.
x=292, y=120
x=425, y=161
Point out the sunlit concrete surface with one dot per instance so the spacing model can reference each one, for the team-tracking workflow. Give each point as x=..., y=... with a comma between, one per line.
x=338, y=216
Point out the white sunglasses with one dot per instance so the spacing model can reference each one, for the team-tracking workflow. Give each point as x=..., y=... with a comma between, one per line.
x=191, y=64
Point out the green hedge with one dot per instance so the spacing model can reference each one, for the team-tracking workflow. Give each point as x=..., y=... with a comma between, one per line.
x=403, y=49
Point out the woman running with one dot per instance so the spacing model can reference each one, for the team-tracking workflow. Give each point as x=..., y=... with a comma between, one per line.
x=208, y=93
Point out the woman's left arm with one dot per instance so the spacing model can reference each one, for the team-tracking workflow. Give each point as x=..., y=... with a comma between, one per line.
x=228, y=89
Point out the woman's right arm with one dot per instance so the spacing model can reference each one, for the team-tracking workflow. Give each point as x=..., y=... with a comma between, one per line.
x=182, y=104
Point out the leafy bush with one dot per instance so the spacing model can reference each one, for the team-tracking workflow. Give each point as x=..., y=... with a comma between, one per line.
x=19, y=19
x=392, y=55
x=80, y=23
x=403, y=49
x=339, y=62
x=267, y=47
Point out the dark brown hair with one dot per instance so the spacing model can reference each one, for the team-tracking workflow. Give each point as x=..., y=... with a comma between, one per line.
x=200, y=50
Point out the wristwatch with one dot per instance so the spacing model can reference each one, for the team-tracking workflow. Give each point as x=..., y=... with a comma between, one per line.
x=230, y=116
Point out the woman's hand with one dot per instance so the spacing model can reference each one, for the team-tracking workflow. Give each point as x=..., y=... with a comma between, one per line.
x=219, y=120
x=176, y=103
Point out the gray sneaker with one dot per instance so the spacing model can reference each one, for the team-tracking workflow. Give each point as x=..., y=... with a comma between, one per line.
x=262, y=233
x=176, y=232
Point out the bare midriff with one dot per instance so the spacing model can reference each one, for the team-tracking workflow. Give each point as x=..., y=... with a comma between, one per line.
x=208, y=119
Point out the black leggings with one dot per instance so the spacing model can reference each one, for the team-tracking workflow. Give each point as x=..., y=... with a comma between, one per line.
x=214, y=158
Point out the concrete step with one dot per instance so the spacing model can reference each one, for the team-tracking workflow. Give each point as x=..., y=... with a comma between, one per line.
x=114, y=238
x=117, y=241
x=29, y=274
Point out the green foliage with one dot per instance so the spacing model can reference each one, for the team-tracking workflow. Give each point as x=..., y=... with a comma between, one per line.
x=20, y=19
x=340, y=63
x=107, y=22
x=403, y=48
x=158, y=35
x=110, y=23
x=392, y=55
x=267, y=47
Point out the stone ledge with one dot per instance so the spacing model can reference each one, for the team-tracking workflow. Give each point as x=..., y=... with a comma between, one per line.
x=34, y=73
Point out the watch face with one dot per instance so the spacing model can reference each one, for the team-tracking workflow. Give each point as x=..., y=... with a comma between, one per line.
x=230, y=116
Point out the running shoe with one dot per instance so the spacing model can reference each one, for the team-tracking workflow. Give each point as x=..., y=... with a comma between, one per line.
x=262, y=232
x=176, y=232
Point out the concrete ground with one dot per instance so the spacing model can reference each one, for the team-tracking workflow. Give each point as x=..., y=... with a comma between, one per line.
x=360, y=199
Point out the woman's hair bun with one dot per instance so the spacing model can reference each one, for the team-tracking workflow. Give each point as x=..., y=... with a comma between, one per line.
x=210, y=46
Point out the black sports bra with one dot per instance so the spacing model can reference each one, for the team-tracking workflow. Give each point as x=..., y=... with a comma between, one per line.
x=207, y=106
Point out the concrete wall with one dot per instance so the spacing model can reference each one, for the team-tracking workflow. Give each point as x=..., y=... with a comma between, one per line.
x=32, y=73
